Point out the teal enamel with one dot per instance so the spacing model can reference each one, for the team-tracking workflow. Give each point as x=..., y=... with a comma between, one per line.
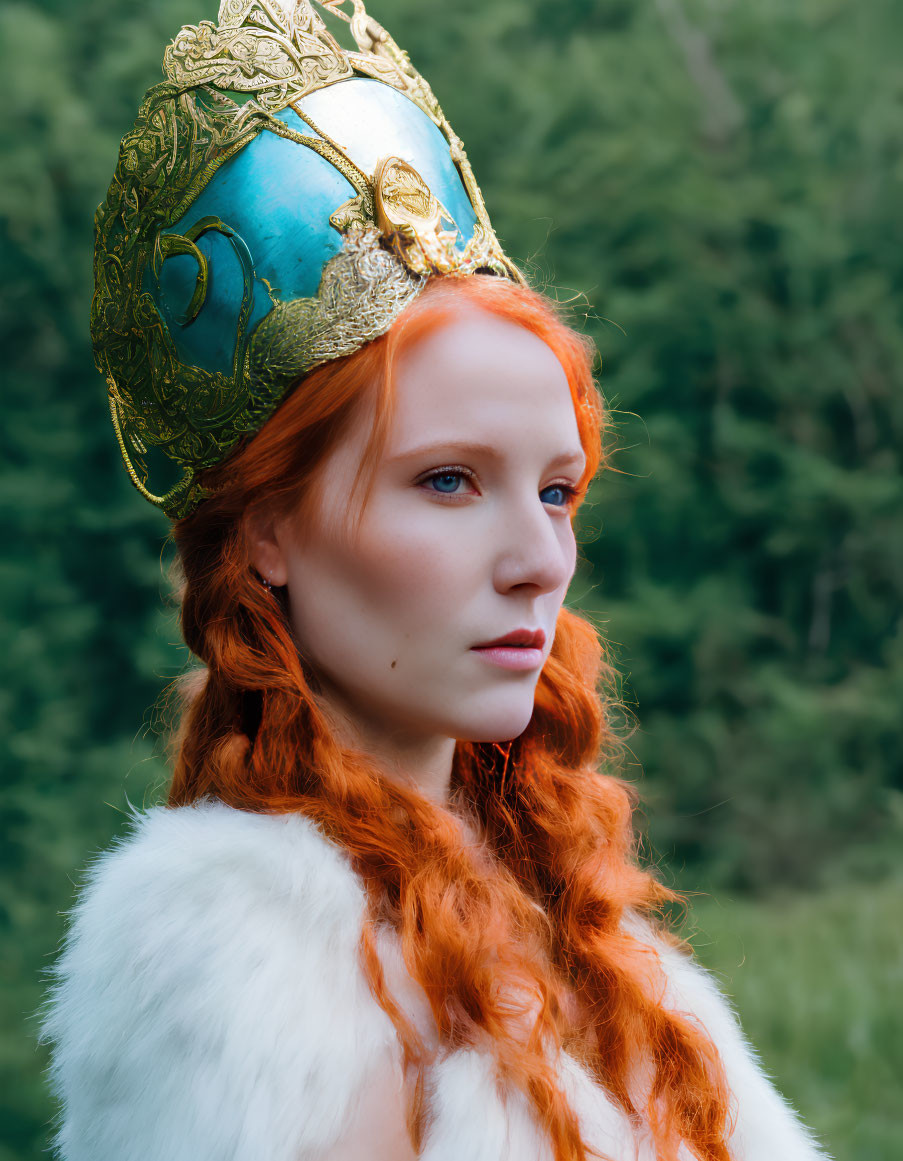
x=277, y=196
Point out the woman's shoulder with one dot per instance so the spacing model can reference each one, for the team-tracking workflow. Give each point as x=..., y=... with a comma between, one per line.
x=209, y=859
x=209, y=970
x=195, y=884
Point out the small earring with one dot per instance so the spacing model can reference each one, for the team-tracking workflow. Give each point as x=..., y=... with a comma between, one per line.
x=267, y=583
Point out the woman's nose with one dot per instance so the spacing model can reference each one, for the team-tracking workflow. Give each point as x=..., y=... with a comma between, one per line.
x=534, y=547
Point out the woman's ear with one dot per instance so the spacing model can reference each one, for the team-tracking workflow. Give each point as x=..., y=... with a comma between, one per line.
x=265, y=534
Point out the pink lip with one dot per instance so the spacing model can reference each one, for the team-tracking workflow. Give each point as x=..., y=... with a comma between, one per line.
x=510, y=656
x=520, y=650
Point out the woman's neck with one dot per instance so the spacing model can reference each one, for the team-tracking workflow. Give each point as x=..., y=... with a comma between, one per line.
x=416, y=761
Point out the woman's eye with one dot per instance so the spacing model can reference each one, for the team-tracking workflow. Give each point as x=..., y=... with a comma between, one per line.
x=446, y=481
x=565, y=495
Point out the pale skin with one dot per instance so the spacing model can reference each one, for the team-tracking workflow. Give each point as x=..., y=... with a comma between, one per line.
x=467, y=535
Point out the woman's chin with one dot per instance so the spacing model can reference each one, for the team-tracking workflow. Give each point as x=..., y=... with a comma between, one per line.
x=500, y=726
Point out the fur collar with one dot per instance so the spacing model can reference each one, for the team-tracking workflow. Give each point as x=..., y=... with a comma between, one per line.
x=208, y=1006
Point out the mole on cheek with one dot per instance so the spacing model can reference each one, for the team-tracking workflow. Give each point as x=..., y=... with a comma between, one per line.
x=395, y=662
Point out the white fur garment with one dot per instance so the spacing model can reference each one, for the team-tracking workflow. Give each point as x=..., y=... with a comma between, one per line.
x=209, y=1006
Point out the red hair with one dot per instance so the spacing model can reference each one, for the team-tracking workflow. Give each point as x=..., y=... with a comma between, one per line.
x=497, y=934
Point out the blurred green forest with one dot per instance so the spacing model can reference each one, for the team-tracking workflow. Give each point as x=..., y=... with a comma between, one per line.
x=718, y=188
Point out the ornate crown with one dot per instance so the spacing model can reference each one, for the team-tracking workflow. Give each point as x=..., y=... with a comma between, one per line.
x=277, y=205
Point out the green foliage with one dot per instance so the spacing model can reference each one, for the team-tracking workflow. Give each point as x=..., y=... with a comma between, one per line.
x=723, y=182
x=824, y=1014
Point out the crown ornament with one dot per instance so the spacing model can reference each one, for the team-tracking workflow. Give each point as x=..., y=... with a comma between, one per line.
x=279, y=202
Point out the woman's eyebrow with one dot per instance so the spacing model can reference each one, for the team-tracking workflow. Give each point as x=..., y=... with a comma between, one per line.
x=574, y=456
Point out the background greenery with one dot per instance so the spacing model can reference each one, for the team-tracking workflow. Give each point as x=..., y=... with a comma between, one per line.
x=722, y=181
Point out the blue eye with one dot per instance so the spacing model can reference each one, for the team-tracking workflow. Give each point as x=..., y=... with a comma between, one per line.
x=567, y=494
x=446, y=481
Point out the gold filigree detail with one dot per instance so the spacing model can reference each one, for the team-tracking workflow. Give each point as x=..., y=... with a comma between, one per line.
x=358, y=213
x=411, y=218
x=363, y=290
x=259, y=48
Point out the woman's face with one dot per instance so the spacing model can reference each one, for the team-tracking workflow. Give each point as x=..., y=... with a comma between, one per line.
x=466, y=536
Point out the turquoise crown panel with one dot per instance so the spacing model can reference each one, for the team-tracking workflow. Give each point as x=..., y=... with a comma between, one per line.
x=277, y=195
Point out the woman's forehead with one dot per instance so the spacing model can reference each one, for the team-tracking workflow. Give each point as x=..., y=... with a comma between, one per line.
x=480, y=379
x=469, y=336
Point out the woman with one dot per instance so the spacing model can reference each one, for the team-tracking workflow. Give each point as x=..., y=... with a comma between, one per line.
x=391, y=908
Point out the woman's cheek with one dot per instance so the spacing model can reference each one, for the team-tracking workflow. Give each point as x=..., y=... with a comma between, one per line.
x=414, y=556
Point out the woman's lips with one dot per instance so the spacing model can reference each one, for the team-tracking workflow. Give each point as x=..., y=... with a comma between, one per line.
x=530, y=638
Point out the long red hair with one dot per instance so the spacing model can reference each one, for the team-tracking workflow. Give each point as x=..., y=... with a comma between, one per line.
x=501, y=933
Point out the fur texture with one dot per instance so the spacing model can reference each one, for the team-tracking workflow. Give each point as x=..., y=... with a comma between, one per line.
x=209, y=1006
